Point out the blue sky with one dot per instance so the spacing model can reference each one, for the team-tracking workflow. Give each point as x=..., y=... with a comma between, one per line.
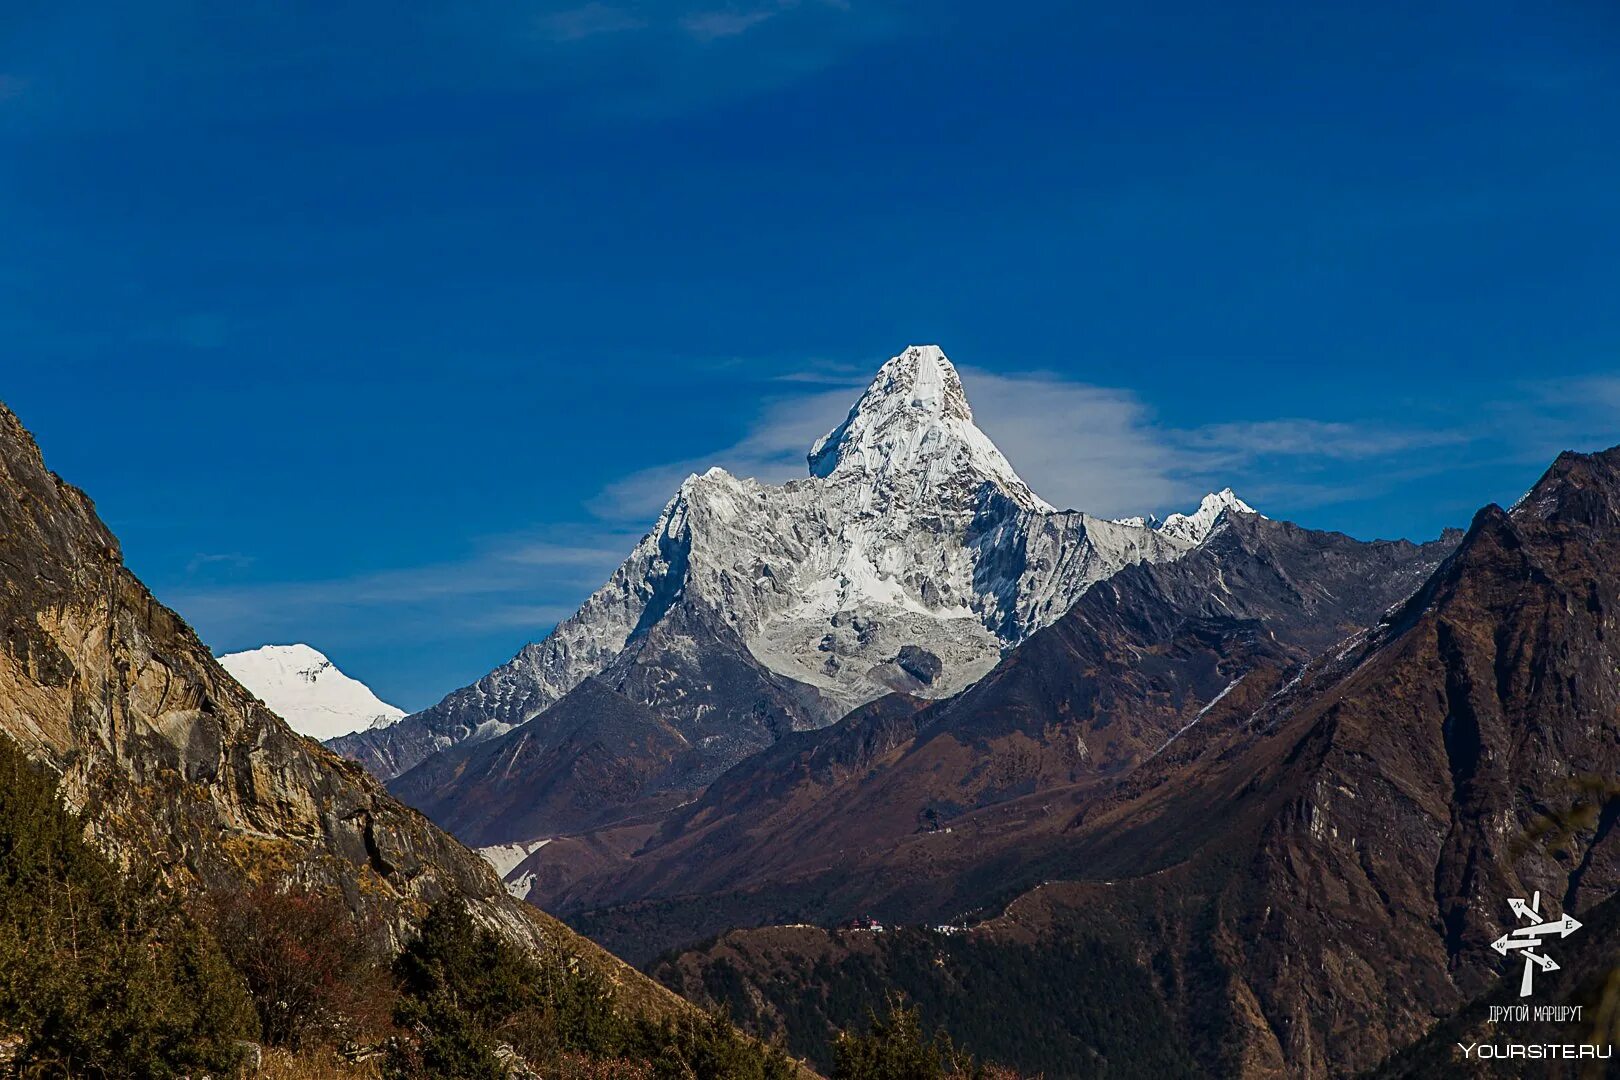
x=387, y=327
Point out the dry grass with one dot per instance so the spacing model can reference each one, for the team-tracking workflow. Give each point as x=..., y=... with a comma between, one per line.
x=322, y=1064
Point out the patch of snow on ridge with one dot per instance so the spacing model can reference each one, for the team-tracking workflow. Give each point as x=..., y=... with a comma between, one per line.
x=1214, y=701
x=307, y=690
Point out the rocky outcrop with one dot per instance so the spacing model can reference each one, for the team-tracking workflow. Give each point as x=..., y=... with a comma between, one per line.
x=175, y=766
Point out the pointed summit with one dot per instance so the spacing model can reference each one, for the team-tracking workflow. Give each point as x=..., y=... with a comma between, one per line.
x=913, y=423
x=1577, y=487
x=1197, y=526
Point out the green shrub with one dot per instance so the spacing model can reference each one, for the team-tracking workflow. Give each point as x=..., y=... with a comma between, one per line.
x=894, y=1049
x=100, y=974
x=703, y=1046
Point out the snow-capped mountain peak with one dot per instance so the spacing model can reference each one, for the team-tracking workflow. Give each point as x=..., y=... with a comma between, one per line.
x=910, y=559
x=1196, y=526
x=913, y=428
x=308, y=691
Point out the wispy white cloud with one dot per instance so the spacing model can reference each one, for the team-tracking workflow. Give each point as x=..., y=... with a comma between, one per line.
x=658, y=57
x=697, y=23
x=1103, y=450
x=235, y=560
x=516, y=582
x=828, y=374
x=712, y=25
x=1578, y=406
x=1067, y=439
x=1089, y=447
x=1078, y=445
x=773, y=450
x=527, y=617
x=1599, y=393
x=588, y=20
x=1549, y=415
x=1241, y=442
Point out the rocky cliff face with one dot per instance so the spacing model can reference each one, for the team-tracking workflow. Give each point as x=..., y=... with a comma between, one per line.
x=908, y=560
x=175, y=765
x=1424, y=761
x=1314, y=878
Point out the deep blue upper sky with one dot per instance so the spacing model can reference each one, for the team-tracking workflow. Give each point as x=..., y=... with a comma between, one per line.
x=388, y=332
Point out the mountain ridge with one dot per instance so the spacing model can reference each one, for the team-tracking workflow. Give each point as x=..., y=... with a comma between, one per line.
x=1140, y=663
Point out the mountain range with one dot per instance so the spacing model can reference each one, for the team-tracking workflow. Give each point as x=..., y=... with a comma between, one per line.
x=919, y=810
x=1269, y=787
x=1307, y=876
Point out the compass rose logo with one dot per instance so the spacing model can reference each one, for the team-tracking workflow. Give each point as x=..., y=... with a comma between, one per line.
x=1528, y=939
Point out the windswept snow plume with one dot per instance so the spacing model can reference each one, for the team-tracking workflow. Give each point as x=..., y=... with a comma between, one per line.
x=308, y=691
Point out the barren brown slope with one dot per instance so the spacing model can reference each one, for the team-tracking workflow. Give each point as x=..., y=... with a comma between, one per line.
x=1315, y=887
x=173, y=764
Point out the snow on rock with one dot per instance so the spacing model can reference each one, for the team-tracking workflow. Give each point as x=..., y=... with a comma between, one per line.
x=910, y=558
x=307, y=690
x=1196, y=526
x=505, y=857
x=521, y=885
x=912, y=432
